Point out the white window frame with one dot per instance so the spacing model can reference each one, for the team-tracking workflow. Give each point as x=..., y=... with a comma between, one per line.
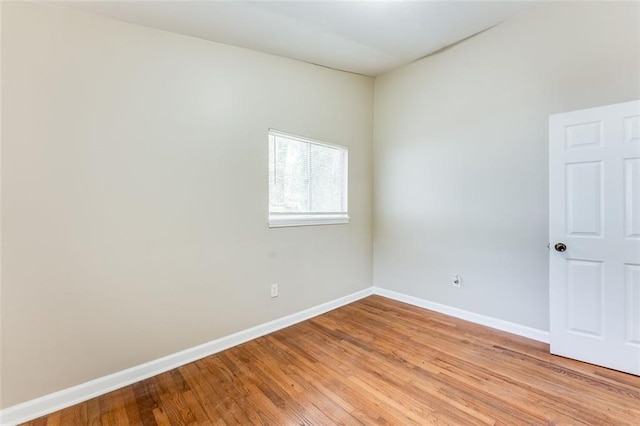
x=279, y=220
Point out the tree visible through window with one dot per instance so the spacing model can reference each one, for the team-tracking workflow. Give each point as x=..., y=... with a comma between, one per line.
x=307, y=181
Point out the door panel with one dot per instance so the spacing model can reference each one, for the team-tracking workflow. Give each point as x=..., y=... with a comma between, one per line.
x=584, y=198
x=632, y=317
x=632, y=197
x=594, y=209
x=584, y=297
x=584, y=135
x=632, y=129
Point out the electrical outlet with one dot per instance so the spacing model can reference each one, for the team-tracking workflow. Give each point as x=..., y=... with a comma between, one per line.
x=457, y=281
x=274, y=290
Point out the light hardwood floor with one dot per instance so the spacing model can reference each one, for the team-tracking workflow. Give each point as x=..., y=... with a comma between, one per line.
x=375, y=361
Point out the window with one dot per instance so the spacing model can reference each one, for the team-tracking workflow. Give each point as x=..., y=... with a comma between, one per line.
x=307, y=181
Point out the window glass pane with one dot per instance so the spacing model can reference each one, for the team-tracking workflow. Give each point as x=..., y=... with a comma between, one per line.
x=288, y=176
x=327, y=179
x=307, y=182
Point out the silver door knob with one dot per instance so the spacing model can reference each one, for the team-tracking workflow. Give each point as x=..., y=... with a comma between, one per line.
x=560, y=247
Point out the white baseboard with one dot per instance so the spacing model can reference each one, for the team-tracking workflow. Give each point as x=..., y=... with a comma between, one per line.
x=510, y=327
x=38, y=407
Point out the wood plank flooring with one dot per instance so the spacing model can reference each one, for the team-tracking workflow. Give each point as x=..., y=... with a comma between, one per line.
x=375, y=361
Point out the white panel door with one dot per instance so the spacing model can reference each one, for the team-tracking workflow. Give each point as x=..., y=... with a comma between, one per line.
x=594, y=230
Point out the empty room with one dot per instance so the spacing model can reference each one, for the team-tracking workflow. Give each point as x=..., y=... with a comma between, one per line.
x=320, y=212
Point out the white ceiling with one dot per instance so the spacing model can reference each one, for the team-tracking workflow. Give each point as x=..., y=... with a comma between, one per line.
x=365, y=37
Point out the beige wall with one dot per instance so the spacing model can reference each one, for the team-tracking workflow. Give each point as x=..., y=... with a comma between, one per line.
x=134, y=191
x=460, y=147
x=134, y=186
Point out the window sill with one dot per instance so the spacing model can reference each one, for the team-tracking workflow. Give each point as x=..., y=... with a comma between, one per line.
x=281, y=221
